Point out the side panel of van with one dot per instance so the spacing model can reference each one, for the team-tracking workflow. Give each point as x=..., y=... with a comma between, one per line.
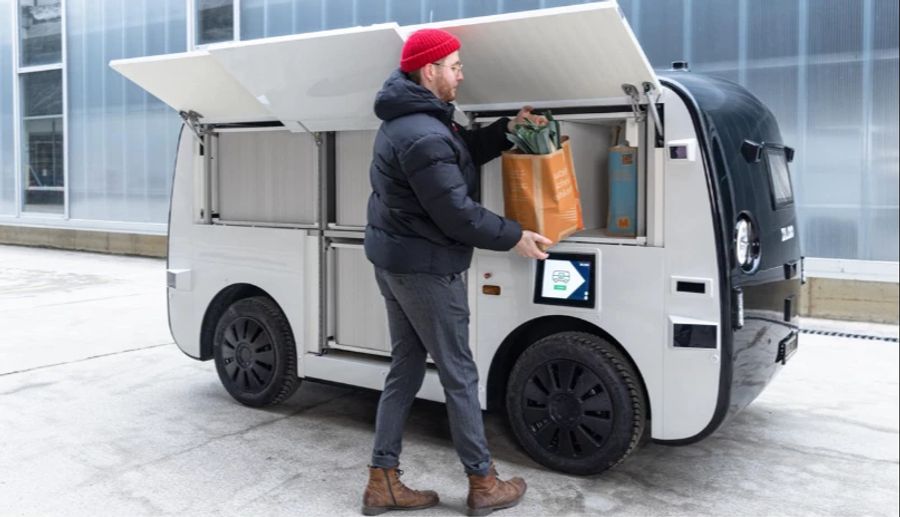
x=629, y=282
x=641, y=303
x=691, y=384
x=183, y=323
x=205, y=259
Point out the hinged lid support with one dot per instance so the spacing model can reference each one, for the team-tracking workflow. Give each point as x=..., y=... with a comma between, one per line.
x=192, y=119
x=653, y=96
x=635, y=98
x=295, y=126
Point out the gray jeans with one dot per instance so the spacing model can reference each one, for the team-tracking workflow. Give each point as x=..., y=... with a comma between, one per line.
x=429, y=314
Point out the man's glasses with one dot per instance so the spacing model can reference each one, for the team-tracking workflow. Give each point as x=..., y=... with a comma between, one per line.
x=457, y=68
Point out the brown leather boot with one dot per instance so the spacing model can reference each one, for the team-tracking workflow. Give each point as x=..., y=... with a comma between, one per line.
x=386, y=492
x=489, y=493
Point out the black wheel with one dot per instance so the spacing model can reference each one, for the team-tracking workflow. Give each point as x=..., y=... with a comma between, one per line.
x=255, y=353
x=575, y=403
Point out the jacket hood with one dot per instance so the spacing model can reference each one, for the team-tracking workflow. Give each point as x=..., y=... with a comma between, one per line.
x=400, y=96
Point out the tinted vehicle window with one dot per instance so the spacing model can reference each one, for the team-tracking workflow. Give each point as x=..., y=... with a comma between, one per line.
x=779, y=175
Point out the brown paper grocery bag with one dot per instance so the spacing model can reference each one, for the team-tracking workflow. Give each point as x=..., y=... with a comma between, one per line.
x=540, y=191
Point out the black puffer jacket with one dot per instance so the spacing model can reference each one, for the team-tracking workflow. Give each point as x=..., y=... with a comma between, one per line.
x=423, y=215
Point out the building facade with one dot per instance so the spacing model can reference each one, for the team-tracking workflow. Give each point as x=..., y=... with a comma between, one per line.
x=83, y=148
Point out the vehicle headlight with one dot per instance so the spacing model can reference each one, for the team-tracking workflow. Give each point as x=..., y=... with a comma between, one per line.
x=746, y=243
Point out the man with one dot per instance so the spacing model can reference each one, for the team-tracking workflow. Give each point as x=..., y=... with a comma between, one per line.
x=422, y=226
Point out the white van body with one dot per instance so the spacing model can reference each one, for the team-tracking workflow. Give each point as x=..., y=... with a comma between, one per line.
x=271, y=183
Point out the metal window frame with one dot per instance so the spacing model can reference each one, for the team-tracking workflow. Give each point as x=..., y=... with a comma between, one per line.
x=192, y=18
x=18, y=127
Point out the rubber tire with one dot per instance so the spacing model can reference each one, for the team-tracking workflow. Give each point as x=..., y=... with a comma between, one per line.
x=266, y=313
x=622, y=384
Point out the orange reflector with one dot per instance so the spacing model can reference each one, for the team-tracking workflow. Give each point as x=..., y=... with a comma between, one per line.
x=491, y=289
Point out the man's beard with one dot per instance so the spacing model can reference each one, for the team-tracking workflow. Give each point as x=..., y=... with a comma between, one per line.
x=446, y=92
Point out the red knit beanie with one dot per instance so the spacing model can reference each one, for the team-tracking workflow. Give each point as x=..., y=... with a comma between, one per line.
x=426, y=46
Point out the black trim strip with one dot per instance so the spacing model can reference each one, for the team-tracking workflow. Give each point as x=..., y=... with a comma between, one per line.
x=625, y=108
x=246, y=125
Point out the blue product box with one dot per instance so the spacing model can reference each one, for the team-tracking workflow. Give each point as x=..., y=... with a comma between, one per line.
x=622, y=191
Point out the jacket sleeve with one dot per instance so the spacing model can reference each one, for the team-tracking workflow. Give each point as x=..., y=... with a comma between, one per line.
x=486, y=143
x=435, y=178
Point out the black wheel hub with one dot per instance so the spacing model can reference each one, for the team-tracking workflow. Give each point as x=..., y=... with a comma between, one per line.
x=567, y=408
x=248, y=355
x=244, y=355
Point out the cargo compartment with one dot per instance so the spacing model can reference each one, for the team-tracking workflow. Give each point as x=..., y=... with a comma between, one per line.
x=591, y=136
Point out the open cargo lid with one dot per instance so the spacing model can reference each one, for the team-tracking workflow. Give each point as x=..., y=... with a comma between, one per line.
x=558, y=56
x=322, y=81
x=327, y=81
x=194, y=81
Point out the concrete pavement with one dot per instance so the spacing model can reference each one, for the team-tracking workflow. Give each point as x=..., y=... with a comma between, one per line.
x=60, y=306
x=101, y=414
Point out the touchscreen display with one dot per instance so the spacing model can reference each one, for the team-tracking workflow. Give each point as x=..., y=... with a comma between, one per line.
x=566, y=279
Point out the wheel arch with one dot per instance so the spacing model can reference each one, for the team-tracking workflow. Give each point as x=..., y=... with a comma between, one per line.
x=529, y=333
x=217, y=306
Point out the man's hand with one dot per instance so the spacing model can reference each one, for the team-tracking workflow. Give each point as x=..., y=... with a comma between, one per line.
x=528, y=245
x=525, y=114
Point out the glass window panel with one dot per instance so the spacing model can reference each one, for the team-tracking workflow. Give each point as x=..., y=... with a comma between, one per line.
x=368, y=13
x=833, y=158
x=518, y=5
x=714, y=44
x=782, y=192
x=772, y=30
x=625, y=5
x=308, y=15
x=884, y=240
x=7, y=150
x=777, y=87
x=42, y=93
x=215, y=21
x=121, y=140
x=410, y=12
x=472, y=8
x=406, y=12
x=253, y=20
x=42, y=161
x=339, y=13
x=885, y=16
x=40, y=32
x=835, y=99
x=279, y=17
x=835, y=27
x=267, y=18
x=830, y=232
x=884, y=135
x=440, y=10
x=662, y=32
